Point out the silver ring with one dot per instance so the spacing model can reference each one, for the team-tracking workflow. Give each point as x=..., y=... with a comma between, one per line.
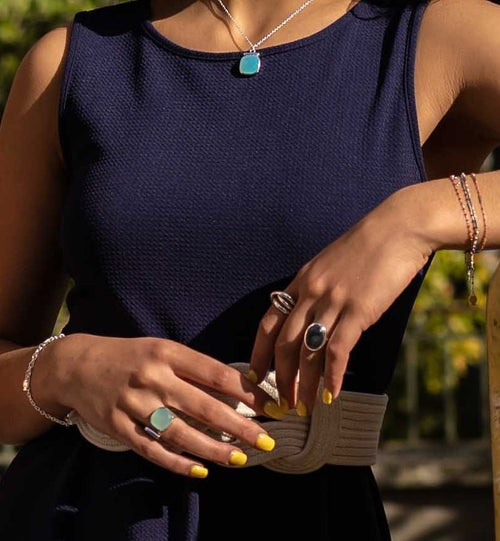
x=152, y=432
x=283, y=301
x=315, y=336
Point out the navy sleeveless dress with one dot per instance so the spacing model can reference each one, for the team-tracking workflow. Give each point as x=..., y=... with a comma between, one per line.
x=193, y=193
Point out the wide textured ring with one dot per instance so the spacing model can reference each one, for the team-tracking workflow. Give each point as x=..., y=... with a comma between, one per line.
x=283, y=301
x=315, y=336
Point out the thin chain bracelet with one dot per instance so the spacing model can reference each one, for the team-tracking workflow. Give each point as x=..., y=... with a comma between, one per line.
x=472, y=229
x=471, y=254
x=472, y=212
x=27, y=383
x=480, y=200
x=456, y=183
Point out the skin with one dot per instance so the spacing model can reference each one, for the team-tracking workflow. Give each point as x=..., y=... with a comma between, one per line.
x=457, y=85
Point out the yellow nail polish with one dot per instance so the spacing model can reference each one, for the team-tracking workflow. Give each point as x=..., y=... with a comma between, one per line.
x=301, y=409
x=327, y=397
x=237, y=458
x=265, y=442
x=198, y=471
x=273, y=410
x=284, y=406
x=252, y=376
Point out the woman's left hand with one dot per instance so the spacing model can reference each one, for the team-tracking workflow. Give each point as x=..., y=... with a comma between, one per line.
x=346, y=288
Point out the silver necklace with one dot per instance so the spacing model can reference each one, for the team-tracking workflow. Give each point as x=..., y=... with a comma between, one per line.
x=250, y=61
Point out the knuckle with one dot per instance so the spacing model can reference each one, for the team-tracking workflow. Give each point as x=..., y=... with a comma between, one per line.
x=303, y=272
x=365, y=313
x=144, y=376
x=267, y=324
x=158, y=350
x=221, y=377
x=112, y=418
x=314, y=286
x=310, y=358
x=147, y=450
x=176, y=436
x=249, y=432
x=124, y=402
x=217, y=453
x=208, y=413
x=335, y=295
x=282, y=345
x=336, y=350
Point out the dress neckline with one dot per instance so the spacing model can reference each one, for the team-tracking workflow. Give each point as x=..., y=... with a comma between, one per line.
x=151, y=31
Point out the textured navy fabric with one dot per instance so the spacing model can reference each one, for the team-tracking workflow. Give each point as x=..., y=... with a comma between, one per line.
x=193, y=193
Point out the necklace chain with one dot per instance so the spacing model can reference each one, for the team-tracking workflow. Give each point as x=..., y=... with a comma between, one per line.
x=253, y=46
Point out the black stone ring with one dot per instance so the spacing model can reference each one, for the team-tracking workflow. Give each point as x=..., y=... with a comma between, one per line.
x=315, y=336
x=283, y=301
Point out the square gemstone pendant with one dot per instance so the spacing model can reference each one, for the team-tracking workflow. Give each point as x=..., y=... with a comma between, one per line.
x=250, y=64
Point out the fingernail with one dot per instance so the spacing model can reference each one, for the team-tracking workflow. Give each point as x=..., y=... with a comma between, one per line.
x=252, y=376
x=327, y=397
x=198, y=471
x=273, y=410
x=265, y=442
x=284, y=406
x=301, y=409
x=237, y=458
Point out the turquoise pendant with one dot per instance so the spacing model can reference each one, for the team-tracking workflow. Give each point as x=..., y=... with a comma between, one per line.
x=250, y=64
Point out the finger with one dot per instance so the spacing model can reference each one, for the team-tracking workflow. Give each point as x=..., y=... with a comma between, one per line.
x=267, y=332
x=212, y=375
x=181, y=437
x=287, y=353
x=199, y=405
x=312, y=362
x=133, y=436
x=342, y=341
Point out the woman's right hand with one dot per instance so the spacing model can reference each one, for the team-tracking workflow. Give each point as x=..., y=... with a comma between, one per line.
x=116, y=383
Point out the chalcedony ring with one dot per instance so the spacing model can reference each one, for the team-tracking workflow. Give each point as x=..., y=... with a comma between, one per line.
x=159, y=421
x=283, y=301
x=315, y=336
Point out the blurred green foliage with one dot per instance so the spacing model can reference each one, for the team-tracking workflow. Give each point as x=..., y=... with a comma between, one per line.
x=442, y=322
x=449, y=338
x=22, y=22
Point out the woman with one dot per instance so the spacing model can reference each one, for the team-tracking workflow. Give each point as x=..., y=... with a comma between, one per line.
x=180, y=183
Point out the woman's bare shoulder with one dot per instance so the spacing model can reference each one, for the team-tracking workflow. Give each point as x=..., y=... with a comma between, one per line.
x=43, y=60
x=463, y=37
x=37, y=82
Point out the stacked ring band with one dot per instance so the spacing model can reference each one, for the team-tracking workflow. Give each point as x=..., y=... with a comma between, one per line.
x=315, y=336
x=152, y=432
x=283, y=301
x=159, y=421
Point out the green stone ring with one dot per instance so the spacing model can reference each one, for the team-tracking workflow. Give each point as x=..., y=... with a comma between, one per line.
x=161, y=418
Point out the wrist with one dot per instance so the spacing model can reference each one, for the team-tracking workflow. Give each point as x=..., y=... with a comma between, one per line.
x=51, y=376
x=432, y=213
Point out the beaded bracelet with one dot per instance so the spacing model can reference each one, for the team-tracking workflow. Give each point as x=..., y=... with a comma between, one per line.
x=27, y=383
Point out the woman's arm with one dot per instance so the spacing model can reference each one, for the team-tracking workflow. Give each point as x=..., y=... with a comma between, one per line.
x=354, y=280
x=32, y=183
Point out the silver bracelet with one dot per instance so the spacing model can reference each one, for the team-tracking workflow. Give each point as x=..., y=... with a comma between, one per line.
x=27, y=383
